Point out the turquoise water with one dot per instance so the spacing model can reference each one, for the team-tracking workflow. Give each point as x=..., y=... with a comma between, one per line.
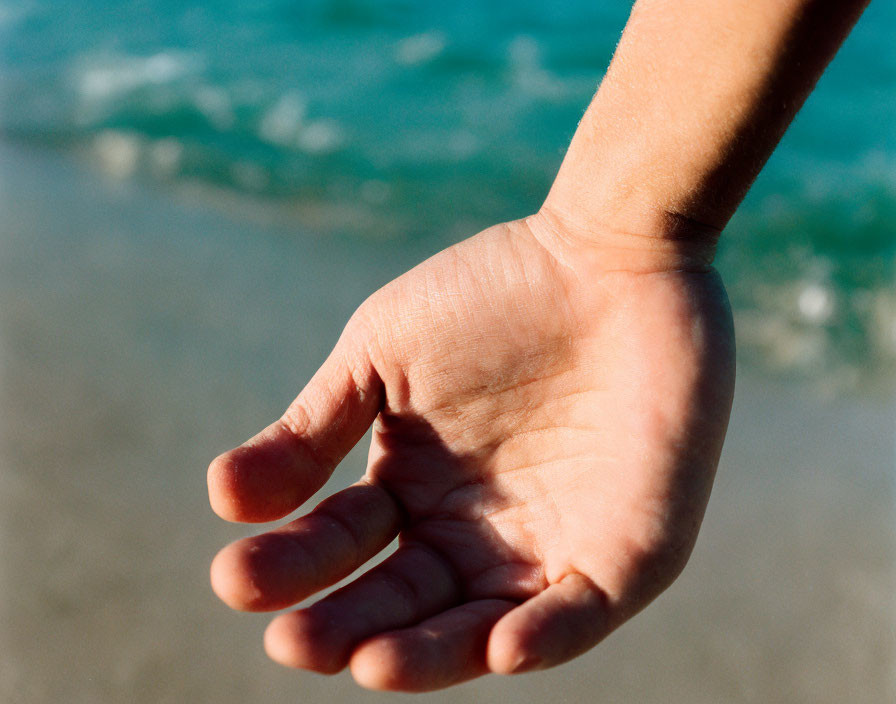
x=426, y=121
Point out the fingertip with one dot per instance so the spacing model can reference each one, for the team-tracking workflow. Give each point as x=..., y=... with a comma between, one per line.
x=253, y=574
x=279, y=645
x=301, y=640
x=231, y=579
x=438, y=652
x=515, y=641
x=506, y=652
x=264, y=479
x=377, y=663
x=564, y=621
x=223, y=492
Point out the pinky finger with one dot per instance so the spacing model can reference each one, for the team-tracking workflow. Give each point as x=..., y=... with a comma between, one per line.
x=439, y=652
x=563, y=621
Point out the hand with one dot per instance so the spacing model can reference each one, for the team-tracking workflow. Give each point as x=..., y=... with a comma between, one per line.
x=546, y=431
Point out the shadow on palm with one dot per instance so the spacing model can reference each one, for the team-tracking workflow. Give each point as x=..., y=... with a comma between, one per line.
x=544, y=441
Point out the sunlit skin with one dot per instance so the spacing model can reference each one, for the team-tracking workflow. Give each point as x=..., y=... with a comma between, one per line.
x=545, y=437
x=548, y=398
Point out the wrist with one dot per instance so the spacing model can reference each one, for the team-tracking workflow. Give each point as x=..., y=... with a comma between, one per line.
x=695, y=100
x=635, y=237
x=639, y=201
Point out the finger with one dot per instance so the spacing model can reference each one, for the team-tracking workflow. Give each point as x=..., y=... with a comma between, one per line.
x=563, y=621
x=410, y=585
x=439, y=652
x=278, y=469
x=275, y=570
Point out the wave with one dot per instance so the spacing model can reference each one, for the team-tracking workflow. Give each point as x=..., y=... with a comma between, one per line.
x=380, y=120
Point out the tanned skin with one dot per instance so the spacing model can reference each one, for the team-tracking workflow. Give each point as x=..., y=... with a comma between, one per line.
x=549, y=398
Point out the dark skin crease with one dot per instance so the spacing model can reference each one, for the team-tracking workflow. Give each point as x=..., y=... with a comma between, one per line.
x=549, y=398
x=534, y=516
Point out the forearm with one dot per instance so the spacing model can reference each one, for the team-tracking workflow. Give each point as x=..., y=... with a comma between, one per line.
x=697, y=97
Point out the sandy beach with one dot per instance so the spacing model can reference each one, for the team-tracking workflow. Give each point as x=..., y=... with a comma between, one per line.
x=141, y=333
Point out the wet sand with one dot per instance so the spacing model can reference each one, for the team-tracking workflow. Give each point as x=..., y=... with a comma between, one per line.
x=141, y=334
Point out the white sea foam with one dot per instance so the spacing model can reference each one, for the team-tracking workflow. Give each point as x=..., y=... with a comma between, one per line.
x=420, y=48
x=118, y=153
x=320, y=136
x=216, y=105
x=101, y=78
x=529, y=73
x=282, y=123
x=815, y=303
x=285, y=125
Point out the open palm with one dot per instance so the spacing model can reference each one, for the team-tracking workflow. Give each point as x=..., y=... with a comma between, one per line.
x=546, y=432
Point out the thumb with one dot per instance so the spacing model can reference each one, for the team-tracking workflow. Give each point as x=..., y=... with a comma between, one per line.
x=277, y=470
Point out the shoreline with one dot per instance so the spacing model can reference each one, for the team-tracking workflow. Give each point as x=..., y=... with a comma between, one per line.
x=796, y=339
x=140, y=335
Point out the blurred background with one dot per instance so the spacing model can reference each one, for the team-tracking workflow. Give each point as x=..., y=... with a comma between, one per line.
x=193, y=199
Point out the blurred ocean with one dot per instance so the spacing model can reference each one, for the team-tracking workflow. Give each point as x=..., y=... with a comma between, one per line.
x=195, y=196
x=386, y=119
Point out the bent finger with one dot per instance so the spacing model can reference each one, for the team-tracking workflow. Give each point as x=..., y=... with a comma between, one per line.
x=280, y=568
x=410, y=585
x=439, y=652
x=276, y=471
x=563, y=621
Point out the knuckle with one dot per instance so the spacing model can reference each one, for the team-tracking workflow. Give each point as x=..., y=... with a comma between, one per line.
x=296, y=420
